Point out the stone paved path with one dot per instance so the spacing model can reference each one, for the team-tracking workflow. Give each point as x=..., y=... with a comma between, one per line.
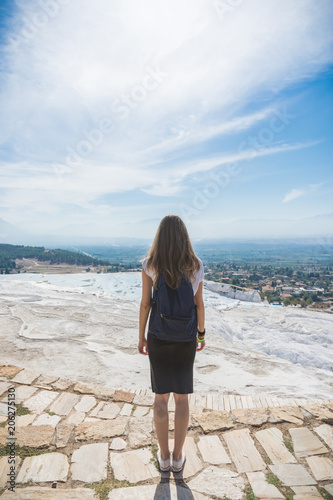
x=85, y=441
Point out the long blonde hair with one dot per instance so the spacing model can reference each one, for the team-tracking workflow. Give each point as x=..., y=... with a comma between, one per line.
x=172, y=253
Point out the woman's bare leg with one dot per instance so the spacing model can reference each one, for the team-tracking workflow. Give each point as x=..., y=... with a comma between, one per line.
x=182, y=416
x=161, y=420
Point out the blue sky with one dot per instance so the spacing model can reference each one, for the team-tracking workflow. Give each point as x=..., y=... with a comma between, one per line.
x=116, y=114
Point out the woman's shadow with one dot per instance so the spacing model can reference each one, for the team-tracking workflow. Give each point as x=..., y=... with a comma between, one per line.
x=163, y=490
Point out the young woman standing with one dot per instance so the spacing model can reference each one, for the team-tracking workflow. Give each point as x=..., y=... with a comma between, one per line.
x=171, y=362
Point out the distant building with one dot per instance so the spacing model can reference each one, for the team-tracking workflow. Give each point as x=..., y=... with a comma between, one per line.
x=268, y=288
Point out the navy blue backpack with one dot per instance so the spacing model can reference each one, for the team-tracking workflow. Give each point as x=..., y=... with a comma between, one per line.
x=173, y=314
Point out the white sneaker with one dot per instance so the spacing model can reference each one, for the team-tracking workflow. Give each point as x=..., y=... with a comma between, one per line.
x=178, y=465
x=164, y=464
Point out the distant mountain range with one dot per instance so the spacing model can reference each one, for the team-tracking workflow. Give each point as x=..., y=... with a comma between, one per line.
x=319, y=228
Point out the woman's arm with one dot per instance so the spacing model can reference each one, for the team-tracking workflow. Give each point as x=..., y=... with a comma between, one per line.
x=198, y=300
x=147, y=284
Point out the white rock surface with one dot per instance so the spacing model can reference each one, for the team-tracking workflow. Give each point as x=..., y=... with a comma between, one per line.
x=243, y=451
x=44, y=468
x=133, y=466
x=325, y=431
x=46, y=419
x=261, y=488
x=321, y=467
x=118, y=444
x=89, y=462
x=292, y=474
x=64, y=403
x=271, y=440
x=161, y=491
x=44, y=493
x=219, y=482
x=212, y=450
x=306, y=443
x=86, y=404
x=40, y=401
x=251, y=340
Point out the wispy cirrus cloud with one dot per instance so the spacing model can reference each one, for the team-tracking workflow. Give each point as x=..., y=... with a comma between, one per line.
x=293, y=194
x=297, y=193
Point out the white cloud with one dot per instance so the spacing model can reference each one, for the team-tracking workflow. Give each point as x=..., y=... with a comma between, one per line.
x=170, y=76
x=293, y=194
x=297, y=193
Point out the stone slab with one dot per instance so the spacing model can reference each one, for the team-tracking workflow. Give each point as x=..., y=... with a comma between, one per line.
x=5, y=469
x=126, y=397
x=143, y=400
x=212, y=450
x=102, y=392
x=76, y=417
x=306, y=443
x=126, y=409
x=3, y=387
x=40, y=401
x=94, y=412
x=243, y=451
x=101, y=430
x=3, y=418
x=25, y=377
x=306, y=493
x=134, y=465
x=325, y=431
x=46, y=379
x=43, y=493
x=3, y=435
x=287, y=414
x=251, y=416
x=106, y=410
x=271, y=440
x=86, y=403
x=46, y=419
x=35, y=436
x=321, y=412
x=63, y=433
x=23, y=420
x=193, y=463
x=261, y=488
x=220, y=482
x=23, y=392
x=44, y=468
x=4, y=409
x=140, y=430
x=89, y=462
x=161, y=491
x=62, y=384
x=64, y=403
x=9, y=370
x=292, y=474
x=141, y=411
x=83, y=388
x=321, y=467
x=329, y=488
x=118, y=444
x=211, y=421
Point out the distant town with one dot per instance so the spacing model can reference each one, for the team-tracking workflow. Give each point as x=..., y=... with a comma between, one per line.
x=287, y=274
x=308, y=286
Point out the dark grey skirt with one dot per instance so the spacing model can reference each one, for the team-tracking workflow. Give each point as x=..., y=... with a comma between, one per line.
x=171, y=365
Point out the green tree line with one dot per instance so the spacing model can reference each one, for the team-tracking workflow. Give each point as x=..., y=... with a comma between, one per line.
x=8, y=254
